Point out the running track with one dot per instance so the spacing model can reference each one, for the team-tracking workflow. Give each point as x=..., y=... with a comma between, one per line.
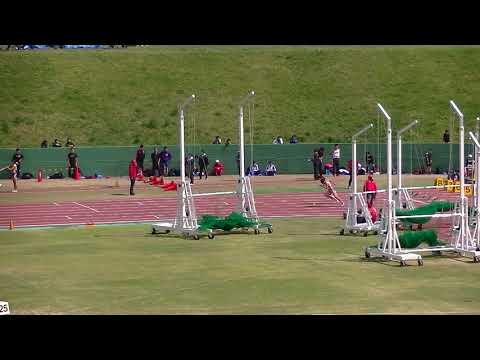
x=155, y=209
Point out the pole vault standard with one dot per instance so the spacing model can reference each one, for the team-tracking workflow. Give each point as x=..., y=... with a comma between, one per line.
x=400, y=191
x=356, y=199
x=186, y=219
x=476, y=233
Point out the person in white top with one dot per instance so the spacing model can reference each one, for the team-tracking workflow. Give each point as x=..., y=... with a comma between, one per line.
x=278, y=140
x=270, y=169
x=14, y=171
x=336, y=159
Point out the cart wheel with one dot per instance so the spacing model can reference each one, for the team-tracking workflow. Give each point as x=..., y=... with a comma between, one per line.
x=257, y=231
x=420, y=262
x=375, y=233
x=270, y=230
x=342, y=232
x=351, y=231
x=344, y=216
x=367, y=254
x=403, y=263
x=436, y=253
x=196, y=237
x=211, y=236
x=154, y=231
x=476, y=259
x=167, y=231
x=365, y=234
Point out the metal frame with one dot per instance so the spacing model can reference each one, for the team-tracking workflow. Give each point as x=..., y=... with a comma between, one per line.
x=402, y=192
x=185, y=222
x=356, y=199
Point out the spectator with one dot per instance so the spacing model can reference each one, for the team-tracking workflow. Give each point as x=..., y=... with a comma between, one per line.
x=69, y=142
x=271, y=169
x=56, y=143
x=335, y=159
x=217, y=140
x=428, y=162
x=72, y=162
x=189, y=166
x=140, y=157
x=218, y=168
x=132, y=174
x=17, y=158
x=155, y=156
x=370, y=185
x=278, y=140
x=317, y=164
x=165, y=157
x=44, y=144
x=446, y=137
x=203, y=164
x=370, y=162
x=228, y=142
x=349, y=168
x=293, y=139
x=255, y=170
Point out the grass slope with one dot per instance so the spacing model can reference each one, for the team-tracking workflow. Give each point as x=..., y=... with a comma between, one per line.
x=127, y=96
x=303, y=267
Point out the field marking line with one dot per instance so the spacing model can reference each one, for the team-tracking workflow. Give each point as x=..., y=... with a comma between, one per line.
x=420, y=201
x=156, y=217
x=68, y=217
x=85, y=206
x=55, y=204
x=139, y=203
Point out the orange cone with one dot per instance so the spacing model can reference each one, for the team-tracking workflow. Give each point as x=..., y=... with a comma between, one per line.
x=76, y=174
x=12, y=225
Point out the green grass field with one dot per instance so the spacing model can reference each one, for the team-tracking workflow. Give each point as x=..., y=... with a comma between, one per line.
x=304, y=267
x=128, y=96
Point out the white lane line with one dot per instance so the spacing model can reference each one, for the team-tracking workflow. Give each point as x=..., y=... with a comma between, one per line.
x=156, y=217
x=139, y=203
x=68, y=217
x=88, y=207
x=226, y=203
x=420, y=201
x=55, y=204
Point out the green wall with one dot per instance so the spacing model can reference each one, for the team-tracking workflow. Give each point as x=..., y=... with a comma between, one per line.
x=289, y=158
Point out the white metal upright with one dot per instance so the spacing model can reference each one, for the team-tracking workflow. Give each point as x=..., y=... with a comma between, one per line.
x=401, y=192
x=476, y=233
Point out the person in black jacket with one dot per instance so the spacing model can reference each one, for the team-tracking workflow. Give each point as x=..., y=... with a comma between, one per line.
x=446, y=137
x=203, y=164
x=18, y=157
x=155, y=156
x=140, y=157
x=189, y=165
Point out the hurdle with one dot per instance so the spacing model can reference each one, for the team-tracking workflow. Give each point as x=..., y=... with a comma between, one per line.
x=186, y=223
x=388, y=245
x=402, y=192
x=356, y=199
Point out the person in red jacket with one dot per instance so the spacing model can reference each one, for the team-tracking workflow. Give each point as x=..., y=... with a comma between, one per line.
x=132, y=174
x=218, y=168
x=370, y=185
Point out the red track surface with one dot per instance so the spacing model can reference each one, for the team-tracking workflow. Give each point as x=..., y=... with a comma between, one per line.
x=154, y=209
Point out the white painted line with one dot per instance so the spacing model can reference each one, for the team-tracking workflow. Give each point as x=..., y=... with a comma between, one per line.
x=156, y=217
x=68, y=217
x=226, y=203
x=55, y=204
x=139, y=203
x=85, y=206
x=420, y=201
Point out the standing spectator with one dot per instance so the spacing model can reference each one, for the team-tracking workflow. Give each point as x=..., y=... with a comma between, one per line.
x=140, y=157
x=203, y=164
x=155, y=156
x=189, y=166
x=132, y=174
x=56, y=143
x=69, y=142
x=72, y=162
x=217, y=140
x=270, y=170
x=446, y=137
x=217, y=168
x=336, y=159
x=17, y=158
x=428, y=162
x=228, y=142
x=293, y=139
x=316, y=164
x=350, y=170
x=278, y=140
x=165, y=157
x=370, y=162
x=44, y=144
